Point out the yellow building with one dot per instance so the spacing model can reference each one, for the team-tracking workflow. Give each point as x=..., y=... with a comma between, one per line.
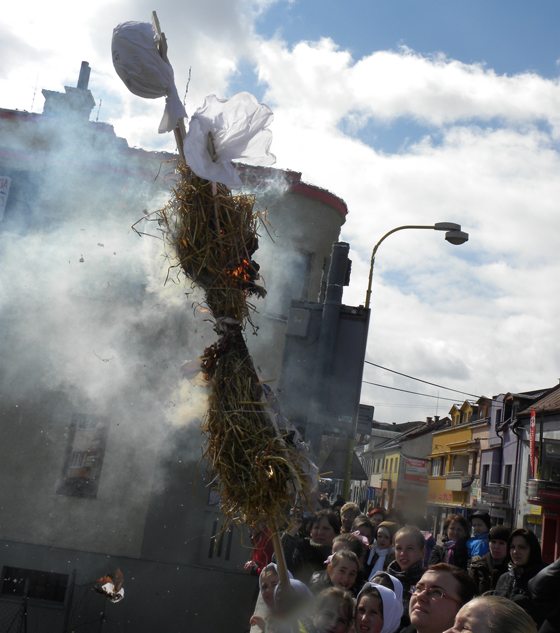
x=454, y=458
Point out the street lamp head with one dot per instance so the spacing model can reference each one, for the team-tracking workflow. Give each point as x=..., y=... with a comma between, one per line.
x=446, y=226
x=456, y=237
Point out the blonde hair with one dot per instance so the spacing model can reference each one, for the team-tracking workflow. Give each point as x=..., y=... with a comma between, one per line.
x=350, y=507
x=504, y=616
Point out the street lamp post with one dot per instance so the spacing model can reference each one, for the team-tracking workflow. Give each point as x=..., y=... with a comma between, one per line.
x=453, y=235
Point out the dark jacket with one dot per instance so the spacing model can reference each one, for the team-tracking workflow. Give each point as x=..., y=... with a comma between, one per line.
x=545, y=592
x=513, y=585
x=486, y=573
x=454, y=554
x=305, y=557
x=408, y=578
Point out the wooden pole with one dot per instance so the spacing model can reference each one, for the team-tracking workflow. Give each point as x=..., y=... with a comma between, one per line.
x=280, y=558
x=180, y=131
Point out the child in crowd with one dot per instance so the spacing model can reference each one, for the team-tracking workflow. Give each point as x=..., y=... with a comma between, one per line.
x=478, y=544
x=377, y=610
x=268, y=580
x=332, y=613
x=382, y=554
x=386, y=580
x=486, y=570
x=262, y=549
x=364, y=527
x=342, y=573
x=351, y=542
x=409, y=564
x=348, y=514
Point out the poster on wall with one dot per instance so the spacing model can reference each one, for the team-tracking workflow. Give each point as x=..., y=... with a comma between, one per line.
x=416, y=470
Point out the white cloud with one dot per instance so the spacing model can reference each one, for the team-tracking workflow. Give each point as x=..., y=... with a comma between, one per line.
x=479, y=317
x=390, y=84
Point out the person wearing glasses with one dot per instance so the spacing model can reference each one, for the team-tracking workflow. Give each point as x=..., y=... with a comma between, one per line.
x=437, y=597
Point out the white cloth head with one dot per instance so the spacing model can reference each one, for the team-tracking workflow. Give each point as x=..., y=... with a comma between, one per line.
x=138, y=63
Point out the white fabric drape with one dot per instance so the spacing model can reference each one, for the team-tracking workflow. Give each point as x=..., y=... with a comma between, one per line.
x=138, y=63
x=239, y=131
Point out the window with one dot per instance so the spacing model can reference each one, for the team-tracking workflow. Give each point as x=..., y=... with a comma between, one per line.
x=498, y=417
x=485, y=475
x=83, y=461
x=29, y=583
x=396, y=465
x=507, y=474
x=474, y=464
x=436, y=467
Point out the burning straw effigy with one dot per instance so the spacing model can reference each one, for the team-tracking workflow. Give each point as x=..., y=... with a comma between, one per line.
x=214, y=237
x=258, y=462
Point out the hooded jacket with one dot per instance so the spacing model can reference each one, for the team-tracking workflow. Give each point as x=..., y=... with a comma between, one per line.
x=478, y=545
x=486, y=573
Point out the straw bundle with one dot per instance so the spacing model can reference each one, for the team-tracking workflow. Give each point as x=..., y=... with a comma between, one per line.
x=214, y=235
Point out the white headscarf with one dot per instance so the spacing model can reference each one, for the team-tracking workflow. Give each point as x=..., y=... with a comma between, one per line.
x=271, y=568
x=397, y=584
x=392, y=608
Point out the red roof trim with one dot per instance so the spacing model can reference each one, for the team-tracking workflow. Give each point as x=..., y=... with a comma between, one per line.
x=293, y=179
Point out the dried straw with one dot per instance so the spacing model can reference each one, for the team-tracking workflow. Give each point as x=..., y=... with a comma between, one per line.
x=214, y=236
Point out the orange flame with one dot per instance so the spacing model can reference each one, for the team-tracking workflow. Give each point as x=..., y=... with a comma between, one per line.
x=116, y=580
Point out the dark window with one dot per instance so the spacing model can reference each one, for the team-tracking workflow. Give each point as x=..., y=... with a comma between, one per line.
x=29, y=583
x=485, y=474
x=507, y=474
x=87, y=439
x=498, y=417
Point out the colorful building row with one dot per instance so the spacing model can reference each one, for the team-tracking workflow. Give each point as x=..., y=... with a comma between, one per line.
x=500, y=455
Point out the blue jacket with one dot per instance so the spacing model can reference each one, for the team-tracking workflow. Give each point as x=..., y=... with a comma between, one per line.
x=478, y=545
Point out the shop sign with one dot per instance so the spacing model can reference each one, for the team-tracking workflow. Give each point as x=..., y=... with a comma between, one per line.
x=416, y=470
x=493, y=494
x=445, y=496
x=542, y=489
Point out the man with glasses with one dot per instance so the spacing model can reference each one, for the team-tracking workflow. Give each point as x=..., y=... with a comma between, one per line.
x=437, y=597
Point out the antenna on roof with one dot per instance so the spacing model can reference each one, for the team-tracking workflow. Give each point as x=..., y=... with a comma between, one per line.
x=34, y=92
x=98, y=110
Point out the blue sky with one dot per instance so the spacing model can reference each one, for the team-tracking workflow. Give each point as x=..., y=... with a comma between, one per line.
x=412, y=112
x=509, y=36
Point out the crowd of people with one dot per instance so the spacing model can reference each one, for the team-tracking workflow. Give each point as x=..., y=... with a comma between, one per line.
x=377, y=572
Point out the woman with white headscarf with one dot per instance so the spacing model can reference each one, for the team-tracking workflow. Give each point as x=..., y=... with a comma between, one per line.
x=377, y=610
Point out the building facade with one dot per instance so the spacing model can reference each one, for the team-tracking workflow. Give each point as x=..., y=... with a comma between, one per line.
x=101, y=448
